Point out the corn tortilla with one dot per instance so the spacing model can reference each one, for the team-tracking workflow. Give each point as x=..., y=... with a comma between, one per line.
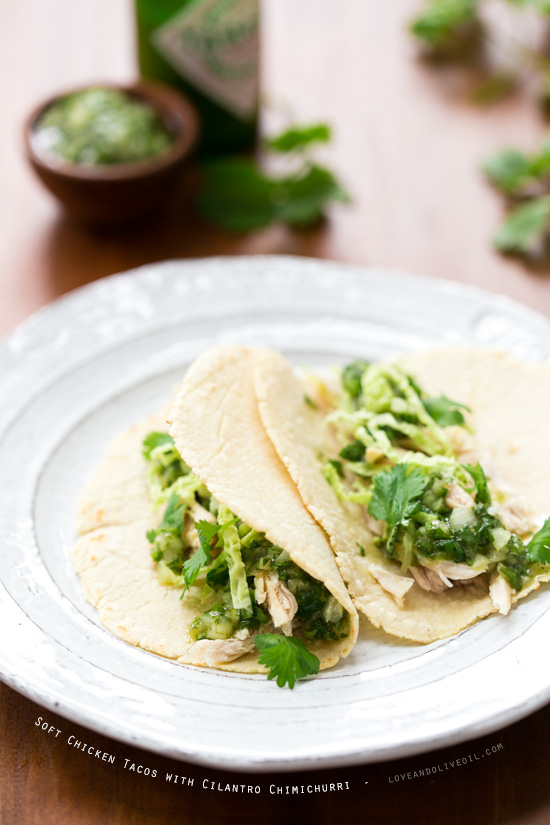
x=112, y=554
x=509, y=401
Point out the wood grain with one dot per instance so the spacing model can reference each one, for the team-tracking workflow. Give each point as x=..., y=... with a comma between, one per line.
x=45, y=781
x=409, y=151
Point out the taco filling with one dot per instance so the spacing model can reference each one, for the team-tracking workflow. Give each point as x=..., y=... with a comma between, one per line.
x=250, y=585
x=421, y=505
x=439, y=518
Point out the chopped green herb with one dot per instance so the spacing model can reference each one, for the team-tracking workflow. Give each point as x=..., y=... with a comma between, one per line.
x=480, y=480
x=351, y=377
x=287, y=658
x=353, y=452
x=337, y=466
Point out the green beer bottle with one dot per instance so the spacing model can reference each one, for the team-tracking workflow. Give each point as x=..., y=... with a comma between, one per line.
x=210, y=50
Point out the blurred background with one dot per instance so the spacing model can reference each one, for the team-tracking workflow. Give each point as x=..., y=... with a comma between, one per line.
x=407, y=144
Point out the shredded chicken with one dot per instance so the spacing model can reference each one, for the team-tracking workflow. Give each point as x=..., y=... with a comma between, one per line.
x=479, y=584
x=500, y=592
x=517, y=516
x=281, y=604
x=461, y=440
x=218, y=651
x=439, y=576
x=396, y=586
x=458, y=572
x=457, y=497
x=430, y=580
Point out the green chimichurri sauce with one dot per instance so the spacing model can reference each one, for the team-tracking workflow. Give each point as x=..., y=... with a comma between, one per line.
x=102, y=126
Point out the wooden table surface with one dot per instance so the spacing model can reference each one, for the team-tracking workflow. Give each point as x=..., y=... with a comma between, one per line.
x=409, y=150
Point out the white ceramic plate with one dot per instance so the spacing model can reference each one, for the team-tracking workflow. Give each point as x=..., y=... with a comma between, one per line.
x=89, y=365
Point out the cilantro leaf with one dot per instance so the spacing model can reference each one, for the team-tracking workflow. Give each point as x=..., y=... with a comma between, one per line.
x=240, y=197
x=236, y=195
x=153, y=440
x=396, y=494
x=206, y=532
x=508, y=170
x=303, y=198
x=525, y=226
x=201, y=557
x=299, y=137
x=444, y=411
x=480, y=480
x=193, y=566
x=287, y=658
x=173, y=514
x=538, y=549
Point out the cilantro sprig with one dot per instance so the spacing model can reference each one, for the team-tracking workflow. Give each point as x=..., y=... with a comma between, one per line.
x=461, y=31
x=538, y=548
x=287, y=658
x=240, y=196
x=524, y=180
x=396, y=494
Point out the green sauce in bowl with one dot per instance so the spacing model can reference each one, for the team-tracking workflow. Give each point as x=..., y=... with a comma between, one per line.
x=101, y=125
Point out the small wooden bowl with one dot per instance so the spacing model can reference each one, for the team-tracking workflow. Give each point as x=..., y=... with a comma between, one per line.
x=118, y=193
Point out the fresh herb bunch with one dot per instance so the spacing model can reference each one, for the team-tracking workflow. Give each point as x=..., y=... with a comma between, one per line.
x=524, y=180
x=459, y=30
x=440, y=23
x=239, y=196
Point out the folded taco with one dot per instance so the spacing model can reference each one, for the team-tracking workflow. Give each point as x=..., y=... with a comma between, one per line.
x=436, y=510
x=196, y=545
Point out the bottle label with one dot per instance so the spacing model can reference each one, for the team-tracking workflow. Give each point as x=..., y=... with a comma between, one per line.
x=214, y=44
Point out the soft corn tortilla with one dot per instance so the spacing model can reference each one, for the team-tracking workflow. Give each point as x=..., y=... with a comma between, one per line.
x=217, y=429
x=509, y=401
x=112, y=555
